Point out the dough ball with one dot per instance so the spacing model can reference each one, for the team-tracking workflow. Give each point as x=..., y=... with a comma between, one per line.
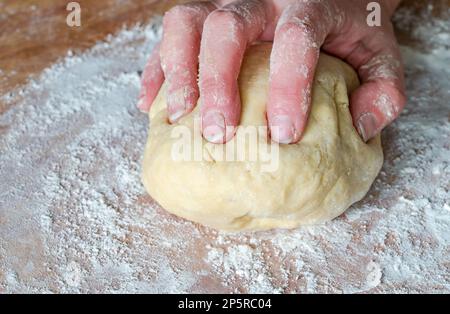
x=310, y=182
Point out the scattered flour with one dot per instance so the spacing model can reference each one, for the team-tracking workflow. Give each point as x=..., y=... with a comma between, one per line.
x=423, y=27
x=75, y=218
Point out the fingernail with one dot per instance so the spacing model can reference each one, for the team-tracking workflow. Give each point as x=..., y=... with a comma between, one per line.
x=367, y=125
x=173, y=117
x=176, y=107
x=180, y=102
x=282, y=129
x=214, y=130
x=140, y=105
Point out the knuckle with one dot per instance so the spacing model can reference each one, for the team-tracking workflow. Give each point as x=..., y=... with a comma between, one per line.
x=177, y=13
x=224, y=18
x=297, y=25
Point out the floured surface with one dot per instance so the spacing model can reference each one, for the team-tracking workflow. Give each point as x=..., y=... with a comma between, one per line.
x=74, y=216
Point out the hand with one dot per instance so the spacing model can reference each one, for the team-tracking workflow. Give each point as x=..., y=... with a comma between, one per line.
x=219, y=32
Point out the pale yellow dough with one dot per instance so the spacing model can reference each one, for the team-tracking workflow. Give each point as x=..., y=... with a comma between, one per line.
x=316, y=181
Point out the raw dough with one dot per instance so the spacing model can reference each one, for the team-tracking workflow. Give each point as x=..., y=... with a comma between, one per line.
x=317, y=179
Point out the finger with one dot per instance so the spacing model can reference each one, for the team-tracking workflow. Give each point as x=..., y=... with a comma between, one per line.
x=227, y=32
x=301, y=30
x=381, y=97
x=152, y=79
x=180, y=48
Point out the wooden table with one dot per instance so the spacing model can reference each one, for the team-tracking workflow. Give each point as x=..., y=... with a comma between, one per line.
x=34, y=33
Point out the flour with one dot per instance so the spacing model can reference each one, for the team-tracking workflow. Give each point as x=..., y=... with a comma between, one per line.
x=429, y=32
x=74, y=216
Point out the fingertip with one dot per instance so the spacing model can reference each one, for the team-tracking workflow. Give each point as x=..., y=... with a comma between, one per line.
x=140, y=104
x=367, y=126
x=374, y=105
x=287, y=115
x=152, y=79
x=149, y=91
x=181, y=102
x=283, y=130
x=220, y=107
x=216, y=128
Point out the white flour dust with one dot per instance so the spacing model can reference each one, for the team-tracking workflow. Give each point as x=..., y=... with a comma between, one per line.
x=74, y=216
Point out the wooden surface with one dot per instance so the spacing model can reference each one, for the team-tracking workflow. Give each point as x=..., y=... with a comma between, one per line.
x=34, y=33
